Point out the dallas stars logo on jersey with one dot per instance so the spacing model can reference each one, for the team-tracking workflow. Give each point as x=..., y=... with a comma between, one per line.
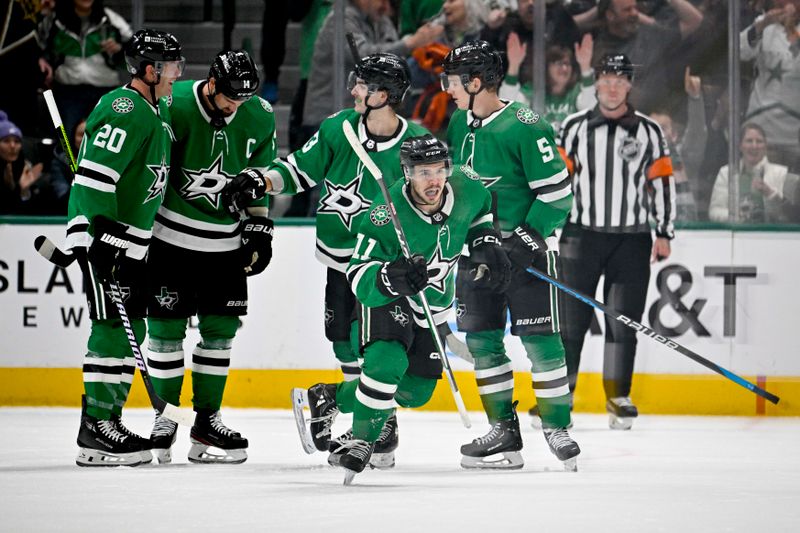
x=344, y=200
x=167, y=298
x=162, y=175
x=205, y=183
x=399, y=316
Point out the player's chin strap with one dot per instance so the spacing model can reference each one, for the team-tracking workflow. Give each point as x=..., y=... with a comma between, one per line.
x=471, y=94
x=370, y=108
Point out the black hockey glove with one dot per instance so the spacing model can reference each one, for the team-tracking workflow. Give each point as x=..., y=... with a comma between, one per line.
x=243, y=190
x=256, y=244
x=490, y=265
x=108, y=248
x=403, y=277
x=524, y=246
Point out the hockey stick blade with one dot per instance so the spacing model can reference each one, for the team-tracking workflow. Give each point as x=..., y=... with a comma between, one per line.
x=647, y=332
x=52, y=253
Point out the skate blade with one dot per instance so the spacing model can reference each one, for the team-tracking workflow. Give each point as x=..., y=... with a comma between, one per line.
x=571, y=464
x=348, y=476
x=94, y=458
x=498, y=461
x=199, y=453
x=163, y=456
x=299, y=401
x=382, y=461
x=618, y=422
x=147, y=457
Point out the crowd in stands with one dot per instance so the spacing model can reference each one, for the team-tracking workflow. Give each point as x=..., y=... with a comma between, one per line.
x=679, y=48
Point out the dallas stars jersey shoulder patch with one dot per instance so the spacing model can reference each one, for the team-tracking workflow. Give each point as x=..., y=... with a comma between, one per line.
x=380, y=216
x=266, y=105
x=468, y=172
x=527, y=116
x=122, y=105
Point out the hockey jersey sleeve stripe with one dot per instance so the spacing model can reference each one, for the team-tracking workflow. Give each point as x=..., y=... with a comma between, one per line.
x=356, y=273
x=85, y=181
x=558, y=177
x=555, y=195
x=301, y=179
x=488, y=218
x=99, y=168
x=170, y=223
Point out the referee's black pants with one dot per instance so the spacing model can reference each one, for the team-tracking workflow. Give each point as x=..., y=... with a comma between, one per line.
x=624, y=260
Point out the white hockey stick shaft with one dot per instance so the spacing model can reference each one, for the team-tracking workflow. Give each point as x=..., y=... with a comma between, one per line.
x=355, y=144
x=55, y=116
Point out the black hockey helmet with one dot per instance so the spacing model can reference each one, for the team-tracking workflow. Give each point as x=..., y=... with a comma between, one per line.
x=152, y=47
x=476, y=59
x=383, y=72
x=423, y=150
x=235, y=74
x=618, y=64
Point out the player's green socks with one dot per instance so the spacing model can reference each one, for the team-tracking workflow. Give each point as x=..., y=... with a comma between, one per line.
x=210, y=362
x=549, y=372
x=493, y=373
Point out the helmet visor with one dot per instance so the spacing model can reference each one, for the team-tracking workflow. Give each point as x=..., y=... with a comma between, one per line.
x=171, y=69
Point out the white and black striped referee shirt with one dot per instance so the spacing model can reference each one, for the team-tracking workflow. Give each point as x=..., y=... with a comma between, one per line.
x=621, y=172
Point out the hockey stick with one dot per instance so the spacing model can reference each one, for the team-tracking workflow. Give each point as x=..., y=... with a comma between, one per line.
x=352, y=138
x=59, y=125
x=52, y=253
x=641, y=328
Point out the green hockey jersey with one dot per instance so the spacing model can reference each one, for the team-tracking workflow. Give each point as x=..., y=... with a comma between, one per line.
x=514, y=152
x=204, y=159
x=123, y=164
x=347, y=189
x=467, y=208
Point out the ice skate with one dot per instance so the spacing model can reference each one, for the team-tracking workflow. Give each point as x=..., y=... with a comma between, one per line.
x=209, y=432
x=356, y=459
x=498, y=449
x=147, y=456
x=163, y=436
x=621, y=412
x=388, y=440
x=321, y=402
x=563, y=447
x=339, y=446
x=100, y=443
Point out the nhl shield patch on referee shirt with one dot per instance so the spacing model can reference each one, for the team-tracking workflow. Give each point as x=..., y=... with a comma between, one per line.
x=122, y=105
x=527, y=116
x=380, y=216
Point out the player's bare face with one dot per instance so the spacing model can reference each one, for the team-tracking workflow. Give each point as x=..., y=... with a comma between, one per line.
x=170, y=71
x=457, y=92
x=227, y=105
x=612, y=91
x=427, y=185
x=360, y=92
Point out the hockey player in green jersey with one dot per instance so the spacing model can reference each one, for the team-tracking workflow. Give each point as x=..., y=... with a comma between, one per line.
x=377, y=85
x=119, y=184
x=401, y=366
x=514, y=152
x=201, y=254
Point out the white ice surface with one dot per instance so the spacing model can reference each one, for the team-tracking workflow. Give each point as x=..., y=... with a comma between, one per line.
x=676, y=474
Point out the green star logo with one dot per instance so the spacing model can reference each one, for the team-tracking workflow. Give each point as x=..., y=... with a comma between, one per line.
x=527, y=116
x=122, y=105
x=380, y=216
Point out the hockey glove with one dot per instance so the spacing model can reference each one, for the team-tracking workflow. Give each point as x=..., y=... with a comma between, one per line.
x=524, y=246
x=243, y=190
x=490, y=265
x=108, y=248
x=256, y=244
x=403, y=277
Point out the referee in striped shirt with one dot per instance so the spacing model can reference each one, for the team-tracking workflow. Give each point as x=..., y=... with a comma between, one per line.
x=621, y=178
